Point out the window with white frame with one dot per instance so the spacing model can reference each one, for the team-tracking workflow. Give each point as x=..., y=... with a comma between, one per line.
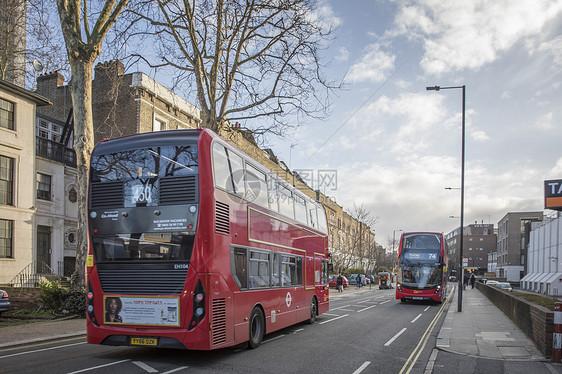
x=7, y=114
x=43, y=186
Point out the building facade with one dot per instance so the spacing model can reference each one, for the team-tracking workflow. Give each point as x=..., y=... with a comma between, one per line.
x=544, y=267
x=18, y=179
x=478, y=241
x=513, y=238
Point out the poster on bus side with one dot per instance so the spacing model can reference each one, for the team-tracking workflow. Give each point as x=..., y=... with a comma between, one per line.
x=130, y=310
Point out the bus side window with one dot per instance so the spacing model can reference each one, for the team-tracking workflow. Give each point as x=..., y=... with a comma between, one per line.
x=221, y=168
x=300, y=210
x=236, y=172
x=240, y=267
x=275, y=280
x=256, y=186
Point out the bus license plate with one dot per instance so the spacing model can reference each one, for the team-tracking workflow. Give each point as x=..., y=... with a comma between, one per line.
x=418, y=298
x=153, y=342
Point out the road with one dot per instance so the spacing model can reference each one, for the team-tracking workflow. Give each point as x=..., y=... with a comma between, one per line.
x=364, y=332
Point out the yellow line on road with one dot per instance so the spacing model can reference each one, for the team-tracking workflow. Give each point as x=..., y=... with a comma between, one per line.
x=42, y=344
x=423, y=340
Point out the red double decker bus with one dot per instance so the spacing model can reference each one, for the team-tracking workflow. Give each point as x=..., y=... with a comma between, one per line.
x=422, y=267
x=195, y=245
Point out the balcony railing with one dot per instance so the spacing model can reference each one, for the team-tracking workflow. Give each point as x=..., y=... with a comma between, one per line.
x=55, y=151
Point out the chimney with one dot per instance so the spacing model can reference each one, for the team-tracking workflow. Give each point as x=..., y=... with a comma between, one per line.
x=47, y=83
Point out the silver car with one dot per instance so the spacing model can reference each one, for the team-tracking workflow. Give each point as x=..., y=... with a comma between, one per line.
x=504, y=285
x=4, y=301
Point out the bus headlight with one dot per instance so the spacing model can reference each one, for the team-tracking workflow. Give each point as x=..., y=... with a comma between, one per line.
x=437, y=289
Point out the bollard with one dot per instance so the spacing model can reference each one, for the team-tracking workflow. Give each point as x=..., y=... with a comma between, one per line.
x=557, y=333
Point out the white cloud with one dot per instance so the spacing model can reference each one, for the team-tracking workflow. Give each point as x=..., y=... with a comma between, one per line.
x=556, y=171
x=460, y=34
x=479, y=135
x=375, y=65
x=545, y=122
x=343, y=54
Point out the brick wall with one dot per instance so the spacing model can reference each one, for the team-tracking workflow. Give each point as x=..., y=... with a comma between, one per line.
x=23, y=297
x=534, y=320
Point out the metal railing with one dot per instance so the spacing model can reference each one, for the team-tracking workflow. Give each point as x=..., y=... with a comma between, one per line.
x=55, y=151
x=32, y=275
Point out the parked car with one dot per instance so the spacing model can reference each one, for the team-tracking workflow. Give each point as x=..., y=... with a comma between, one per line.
x=333, y=281
x=491, y=282
x=4, y=301
x=504, y=285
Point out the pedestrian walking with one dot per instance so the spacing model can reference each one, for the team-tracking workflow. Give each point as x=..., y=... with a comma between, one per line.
x=339, y=283
x=472, y=279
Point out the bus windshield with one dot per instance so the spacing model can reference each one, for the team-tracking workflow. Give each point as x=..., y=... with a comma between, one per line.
x=143, y=247
x=421, y=261
x=141, y=170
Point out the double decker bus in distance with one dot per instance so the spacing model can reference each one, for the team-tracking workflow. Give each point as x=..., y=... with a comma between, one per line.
x=195, y=245
x=422, y=267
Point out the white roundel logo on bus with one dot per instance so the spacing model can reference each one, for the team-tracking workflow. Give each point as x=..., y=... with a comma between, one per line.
x=288, y=299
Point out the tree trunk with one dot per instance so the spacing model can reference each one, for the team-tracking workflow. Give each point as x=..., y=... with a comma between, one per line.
x=81, y=91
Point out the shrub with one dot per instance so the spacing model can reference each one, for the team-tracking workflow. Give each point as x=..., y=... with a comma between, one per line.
x=51, y=295
x=70, y=301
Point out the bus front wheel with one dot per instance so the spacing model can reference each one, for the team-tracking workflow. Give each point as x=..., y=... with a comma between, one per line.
x=313, y=311
x=257, y=328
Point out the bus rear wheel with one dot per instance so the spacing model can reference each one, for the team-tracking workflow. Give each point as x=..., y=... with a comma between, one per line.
x=313, y=311
x=257, y=328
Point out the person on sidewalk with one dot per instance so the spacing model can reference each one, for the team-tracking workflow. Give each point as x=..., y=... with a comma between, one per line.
x=472, y=279
x=339, y=283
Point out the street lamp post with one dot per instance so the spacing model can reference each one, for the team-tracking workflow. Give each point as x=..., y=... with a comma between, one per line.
x=437, y=88
x=393, y=238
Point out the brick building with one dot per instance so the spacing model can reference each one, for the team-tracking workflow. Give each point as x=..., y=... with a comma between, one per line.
x=478, y=241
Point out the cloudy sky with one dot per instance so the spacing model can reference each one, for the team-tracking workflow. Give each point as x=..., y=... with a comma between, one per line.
x=396, y=147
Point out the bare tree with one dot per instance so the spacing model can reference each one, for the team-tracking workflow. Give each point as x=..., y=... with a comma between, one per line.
x=12, y=40
x=83, y=45
x=252, y=59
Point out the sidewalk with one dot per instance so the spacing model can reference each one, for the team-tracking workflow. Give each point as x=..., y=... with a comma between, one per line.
x=41, y=331
x=483, y=330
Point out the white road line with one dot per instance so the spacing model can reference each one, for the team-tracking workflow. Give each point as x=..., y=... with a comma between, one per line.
x=384, y=302
x=362, y=367
x=426, y=309
x=98, y=367
x=145, y=367
x=333, y=319
x=347, y=310
x=329, y=314
x=369, y=307
x=174, y=370
x=339, y=307
x=394, y=337
x=275, y=338
x=41, y=350
x=298, y=331
x=415, y=319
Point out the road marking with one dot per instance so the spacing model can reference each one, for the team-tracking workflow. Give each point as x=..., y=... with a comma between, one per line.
x=369, y=307
x=145, y=367
x=423, y=341
x=100, y=366
x=394, y=337
x=275, y=338
x=362, y=367
x=329, y=314
x=41, y=350
x=174, y=370
x=333, y=319
x=299, y=329
x=415, y=319
x=384, y=302
x=339, y=307
x=426, y=309
x=41, y=344
x=347, y=310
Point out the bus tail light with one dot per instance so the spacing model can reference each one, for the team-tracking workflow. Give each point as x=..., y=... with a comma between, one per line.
x=90, y=306
x=198, y=305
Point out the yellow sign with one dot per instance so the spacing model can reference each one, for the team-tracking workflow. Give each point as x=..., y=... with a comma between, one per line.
x=90, y=261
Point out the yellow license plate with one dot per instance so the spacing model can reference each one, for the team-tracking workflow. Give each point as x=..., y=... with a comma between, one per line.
x=153, y=342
